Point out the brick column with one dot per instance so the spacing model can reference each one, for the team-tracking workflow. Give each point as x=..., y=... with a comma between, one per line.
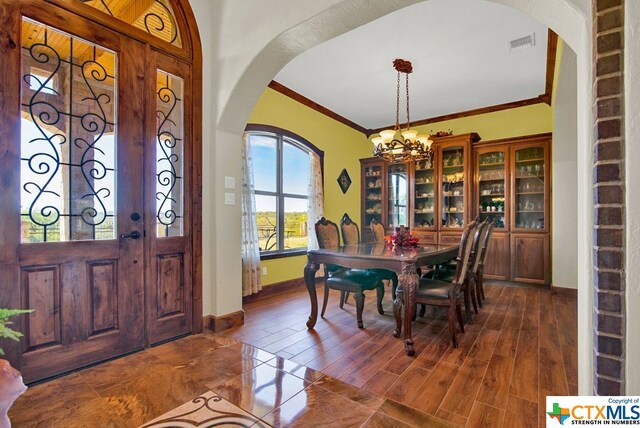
x=608, y=197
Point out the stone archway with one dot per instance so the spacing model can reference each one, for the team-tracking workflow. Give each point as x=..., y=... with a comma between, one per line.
x=571, y=19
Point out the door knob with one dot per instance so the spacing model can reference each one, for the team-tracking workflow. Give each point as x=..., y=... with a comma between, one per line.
x=133, y=235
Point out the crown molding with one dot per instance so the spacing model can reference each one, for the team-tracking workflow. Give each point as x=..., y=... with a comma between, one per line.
x=552, y=47
x=279, y=87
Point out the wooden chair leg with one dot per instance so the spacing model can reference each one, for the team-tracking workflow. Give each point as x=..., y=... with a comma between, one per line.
x=397, y=313
x=343, y=298
x=358, y=295
x=472, y=292
x=346, y=296
x=380, y=296
x=423, y=310
x=467, y=304
x=453, y=331
x=325, y=300
x=459, y=314
x=394, y=287
x=481, y=282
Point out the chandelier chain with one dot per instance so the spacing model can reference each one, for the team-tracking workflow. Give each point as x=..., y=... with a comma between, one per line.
x=398, y=103
x=408, y=119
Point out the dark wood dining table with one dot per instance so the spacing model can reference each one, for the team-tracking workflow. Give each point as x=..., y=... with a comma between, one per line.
x=404, y=261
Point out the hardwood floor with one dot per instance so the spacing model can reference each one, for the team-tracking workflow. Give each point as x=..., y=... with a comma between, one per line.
x=520, y=348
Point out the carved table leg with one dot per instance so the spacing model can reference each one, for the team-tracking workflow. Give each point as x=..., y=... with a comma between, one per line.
x=409, y=282
x=310, y=270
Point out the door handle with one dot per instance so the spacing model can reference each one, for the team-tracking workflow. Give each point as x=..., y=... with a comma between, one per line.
x=133, y=235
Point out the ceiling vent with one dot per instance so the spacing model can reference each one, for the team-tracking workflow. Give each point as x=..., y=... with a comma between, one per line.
x=525, y=42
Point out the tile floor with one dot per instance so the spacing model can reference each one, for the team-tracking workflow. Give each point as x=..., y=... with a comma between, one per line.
x=266, y=373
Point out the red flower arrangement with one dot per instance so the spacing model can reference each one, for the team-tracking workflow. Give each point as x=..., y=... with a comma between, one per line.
x=403, y=238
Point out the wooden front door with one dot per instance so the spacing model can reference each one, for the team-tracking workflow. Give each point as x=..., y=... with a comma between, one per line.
x=93, y=229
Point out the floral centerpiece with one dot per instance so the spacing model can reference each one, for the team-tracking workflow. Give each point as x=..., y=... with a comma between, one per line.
x=403, y=238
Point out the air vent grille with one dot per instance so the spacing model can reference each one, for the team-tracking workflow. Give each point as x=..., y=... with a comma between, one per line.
x=527, y=41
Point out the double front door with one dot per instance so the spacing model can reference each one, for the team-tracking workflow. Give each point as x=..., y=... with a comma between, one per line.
x=93, y=147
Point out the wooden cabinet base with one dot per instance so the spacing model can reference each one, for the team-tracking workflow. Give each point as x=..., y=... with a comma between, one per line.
x=497, y=265
x=530, y=257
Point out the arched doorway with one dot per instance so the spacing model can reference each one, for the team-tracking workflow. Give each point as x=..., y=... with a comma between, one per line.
x=100, y=181
x=571, y=20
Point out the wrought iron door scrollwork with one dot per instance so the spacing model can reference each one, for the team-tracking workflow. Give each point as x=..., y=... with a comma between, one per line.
x=169, y=163
x=67, y=98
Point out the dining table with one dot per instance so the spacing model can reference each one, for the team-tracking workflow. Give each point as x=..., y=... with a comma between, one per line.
x=404, y=261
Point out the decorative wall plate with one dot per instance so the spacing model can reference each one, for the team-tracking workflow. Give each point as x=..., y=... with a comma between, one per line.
x=344, y=181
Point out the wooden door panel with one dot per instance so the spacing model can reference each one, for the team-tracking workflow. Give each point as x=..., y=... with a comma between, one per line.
x=103, y=283
x=41, y=291
x=496, y=264
x=530, y=261
x=170, y=285
x=169, y=281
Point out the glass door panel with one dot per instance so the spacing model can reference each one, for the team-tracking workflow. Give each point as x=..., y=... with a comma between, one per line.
x=529, y=188
x=491, y=187
x=397, y=195
x=453, y=182
x=424, y=207
x=372, y=194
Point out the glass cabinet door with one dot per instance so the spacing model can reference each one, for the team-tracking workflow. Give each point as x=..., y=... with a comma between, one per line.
x=372, y=193
x=424, y=184
x=529, y=188
x=491, y=187
x=397, y=195
x=453, y=182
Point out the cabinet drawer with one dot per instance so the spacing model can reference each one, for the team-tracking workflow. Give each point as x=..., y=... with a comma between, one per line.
x=426, y=237
x=449, y=238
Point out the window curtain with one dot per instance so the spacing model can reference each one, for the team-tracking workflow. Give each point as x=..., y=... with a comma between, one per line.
x=316, y=199
x=250, y=246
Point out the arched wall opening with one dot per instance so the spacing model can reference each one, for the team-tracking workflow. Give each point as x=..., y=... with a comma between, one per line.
x=247, y=63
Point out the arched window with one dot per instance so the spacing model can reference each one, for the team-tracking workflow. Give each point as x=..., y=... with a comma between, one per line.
x=281, y=174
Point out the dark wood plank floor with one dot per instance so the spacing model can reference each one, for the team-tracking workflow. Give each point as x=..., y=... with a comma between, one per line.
x=520, y=348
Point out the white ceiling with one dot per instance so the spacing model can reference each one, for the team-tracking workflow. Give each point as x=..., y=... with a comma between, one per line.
x=460, y=56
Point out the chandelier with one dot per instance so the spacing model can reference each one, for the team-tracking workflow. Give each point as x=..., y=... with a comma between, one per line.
x=409, y=146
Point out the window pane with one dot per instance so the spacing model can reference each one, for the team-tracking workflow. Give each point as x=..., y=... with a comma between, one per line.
x=263, y=153
x=295, y=223
x=153, y=16
x=267, y=220
x=295, y=170
x=68, y=137
x=169, y=155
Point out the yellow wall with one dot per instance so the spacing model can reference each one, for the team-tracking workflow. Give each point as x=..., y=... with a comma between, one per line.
x=344, y=146
x=527, y=120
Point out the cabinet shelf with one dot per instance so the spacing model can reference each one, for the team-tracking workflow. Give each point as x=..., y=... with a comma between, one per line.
x=530, y=212
x=485, y=165
x=518, y=161
x=492, y=195
x=529, y=193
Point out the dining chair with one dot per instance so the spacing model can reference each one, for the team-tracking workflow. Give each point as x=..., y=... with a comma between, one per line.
x=351, y=236
x=379, y=231
x=442, y=293
x=468, y=287
x=344, y=279
x=479, y=275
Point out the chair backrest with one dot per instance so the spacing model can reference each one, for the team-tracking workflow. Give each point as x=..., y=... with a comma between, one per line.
x=464, y=252
x=485, y=243
x=479, y=240
x=350, y=231
x=327, y=234
x=378, y=229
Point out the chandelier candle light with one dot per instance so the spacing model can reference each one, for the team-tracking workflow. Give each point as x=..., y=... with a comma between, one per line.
x=411, y=146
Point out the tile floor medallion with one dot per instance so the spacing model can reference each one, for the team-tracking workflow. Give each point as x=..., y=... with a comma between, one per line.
x=207, y=410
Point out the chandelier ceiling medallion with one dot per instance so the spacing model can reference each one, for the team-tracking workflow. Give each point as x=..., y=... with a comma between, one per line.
x=409, y=146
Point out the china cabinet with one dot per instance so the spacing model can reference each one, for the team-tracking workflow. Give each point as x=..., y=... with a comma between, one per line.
x=512, y=187
x=430, y=196
x=505, y=180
